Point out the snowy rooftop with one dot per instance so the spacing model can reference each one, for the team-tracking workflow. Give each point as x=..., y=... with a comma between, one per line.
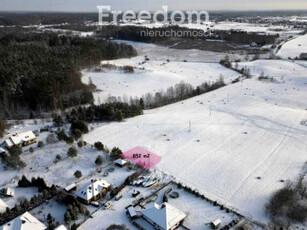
x=20, y=138
x=120, y=161
x=3, y=206
x=166, y=215
x=24, y=222
x=92, y=189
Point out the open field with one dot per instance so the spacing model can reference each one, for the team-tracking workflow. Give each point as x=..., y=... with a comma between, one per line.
x=240, y=132
x=294, y=47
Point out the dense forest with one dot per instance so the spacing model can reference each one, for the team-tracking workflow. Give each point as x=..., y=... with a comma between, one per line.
x=41, y=71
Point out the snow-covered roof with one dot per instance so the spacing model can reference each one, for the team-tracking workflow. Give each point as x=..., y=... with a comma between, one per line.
x=20, y=138
x=3, y=206
x=216, y=222
x=166, y=215
x=24, y=222
x=120, y=162
x=61, y=227
x=71, y=186
x=2, y=150
x=131, y=211
x=92, y=189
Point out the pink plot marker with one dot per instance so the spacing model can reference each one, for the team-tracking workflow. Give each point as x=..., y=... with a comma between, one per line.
x=142, y=157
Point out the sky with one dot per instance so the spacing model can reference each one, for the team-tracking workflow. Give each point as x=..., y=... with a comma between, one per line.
x=91, y=5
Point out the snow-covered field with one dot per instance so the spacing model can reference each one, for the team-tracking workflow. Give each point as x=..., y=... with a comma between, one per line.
x=240, y=132
x=228, y=25
x=294, y=47
x=158, y=73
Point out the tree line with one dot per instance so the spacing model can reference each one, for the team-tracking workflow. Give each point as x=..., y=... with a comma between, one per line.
x=41, y=71
x=179, y=92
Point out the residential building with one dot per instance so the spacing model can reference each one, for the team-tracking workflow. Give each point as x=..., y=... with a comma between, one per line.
x=24, y=222
x=21, y=139
x=164, y=217
x=93, y=191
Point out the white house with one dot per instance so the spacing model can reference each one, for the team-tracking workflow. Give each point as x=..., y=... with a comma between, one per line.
x=24, y=222
x=21, y=139
x=164, y=217
x=3, y=206
x=93, y=190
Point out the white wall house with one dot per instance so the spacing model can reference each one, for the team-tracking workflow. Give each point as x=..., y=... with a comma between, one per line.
x=93, y=190
x=20, y=139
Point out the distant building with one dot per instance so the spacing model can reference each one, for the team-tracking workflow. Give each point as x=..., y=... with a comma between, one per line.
x=93, y=191
x=24, y=222
x=3, y=206
x=164, y=217
x=120, y=163
x=21, y=139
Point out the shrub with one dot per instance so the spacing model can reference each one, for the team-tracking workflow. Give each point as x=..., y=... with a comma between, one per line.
x=77, y=134
x=78, y=124
x=99, y=160
x=115, y=153
x=78, y=174
x=72, y=152
x=40, y=144
x=51, y=139
x=31, y=149
x=80, y=144
x=99, y=146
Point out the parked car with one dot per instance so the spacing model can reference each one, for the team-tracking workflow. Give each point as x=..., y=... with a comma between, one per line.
x=95, y=204
x=118, y=197
x=107, y=205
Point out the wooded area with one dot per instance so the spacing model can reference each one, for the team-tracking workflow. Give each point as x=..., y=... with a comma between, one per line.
x=41, y=71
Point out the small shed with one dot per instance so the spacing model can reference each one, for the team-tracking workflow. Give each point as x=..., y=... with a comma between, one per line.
x=215, y=224
x=71, y=187
x=120, y=163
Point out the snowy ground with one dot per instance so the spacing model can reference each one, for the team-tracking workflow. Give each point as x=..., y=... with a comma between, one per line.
x=294, y=47
x=226, y=26
x=158, y=73
x=239, y=132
